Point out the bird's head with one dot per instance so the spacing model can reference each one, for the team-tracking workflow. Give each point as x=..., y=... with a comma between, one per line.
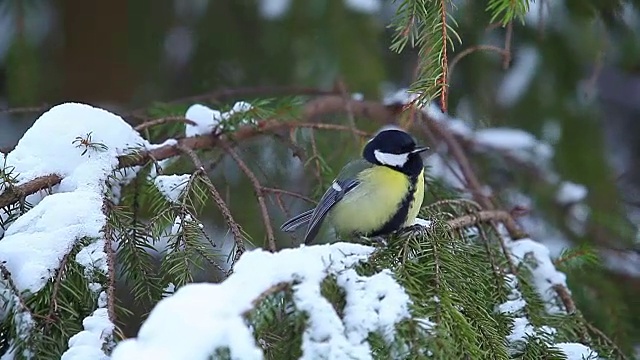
x=396, y=149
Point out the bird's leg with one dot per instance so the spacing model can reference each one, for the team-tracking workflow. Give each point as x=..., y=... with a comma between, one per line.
x=373, y=240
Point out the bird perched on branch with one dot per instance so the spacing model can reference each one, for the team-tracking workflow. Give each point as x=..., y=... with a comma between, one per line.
x=373, y=196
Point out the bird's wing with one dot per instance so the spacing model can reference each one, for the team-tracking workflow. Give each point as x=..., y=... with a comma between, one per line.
x=295, y=222
x=338, y=189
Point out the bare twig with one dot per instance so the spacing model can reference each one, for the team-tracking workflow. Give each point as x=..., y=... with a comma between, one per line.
x=259, y=194
x=6, y=276
x=57, y=282
x=340, y=85
x=471, y=50
x=290, y=193
x=611, y=343
x=217, y=198
x=506, y=54
x=164, y=120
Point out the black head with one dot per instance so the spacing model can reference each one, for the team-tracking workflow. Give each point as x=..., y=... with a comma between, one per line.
x=396, y=149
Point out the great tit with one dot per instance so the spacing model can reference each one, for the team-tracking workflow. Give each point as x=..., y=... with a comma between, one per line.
x=373, y=196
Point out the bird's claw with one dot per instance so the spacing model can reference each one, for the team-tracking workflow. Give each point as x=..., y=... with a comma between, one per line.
x=412, y=230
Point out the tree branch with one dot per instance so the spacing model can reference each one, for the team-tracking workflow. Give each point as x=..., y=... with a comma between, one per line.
x=217, y=198
x=14, y=193
x=257, y=187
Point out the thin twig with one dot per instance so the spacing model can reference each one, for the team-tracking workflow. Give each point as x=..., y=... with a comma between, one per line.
x=57, y=282
x=316, y=157
x=471, y=50
x=350, y=118
x=257, y=187
x=6, y=276
x=610, y=342
x=164, y=120
x=290, y=193
x=217, y=198
x=506, y=54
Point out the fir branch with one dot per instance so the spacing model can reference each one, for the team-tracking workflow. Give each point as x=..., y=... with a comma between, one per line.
x=320, y=106
x=109, y=240
x=505, y=11
x=577, y=258
x=424, y=24
x=217, y=198
x=610, y=343
x=133, y=253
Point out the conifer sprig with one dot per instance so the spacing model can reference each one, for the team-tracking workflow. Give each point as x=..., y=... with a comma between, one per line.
x=427, y=25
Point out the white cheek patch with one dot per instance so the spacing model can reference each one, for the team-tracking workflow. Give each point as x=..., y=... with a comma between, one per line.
x=391, y=159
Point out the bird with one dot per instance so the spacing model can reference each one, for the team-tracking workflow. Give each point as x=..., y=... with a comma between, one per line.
x=373, y=196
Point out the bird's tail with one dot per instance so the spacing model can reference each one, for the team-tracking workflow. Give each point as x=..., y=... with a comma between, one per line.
x=295, y=222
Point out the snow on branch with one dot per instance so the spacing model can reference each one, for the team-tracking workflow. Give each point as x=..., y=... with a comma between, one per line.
x=200, y=318
x=78, y=146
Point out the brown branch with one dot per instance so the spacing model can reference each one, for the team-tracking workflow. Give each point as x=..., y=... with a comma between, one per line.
x=257, y=187
x=506, y=54
x=609, y=342
x=164, y=120
x=217, y=198
x=15, y=193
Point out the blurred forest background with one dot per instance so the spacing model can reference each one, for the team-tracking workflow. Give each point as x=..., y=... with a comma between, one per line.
x=572, y=80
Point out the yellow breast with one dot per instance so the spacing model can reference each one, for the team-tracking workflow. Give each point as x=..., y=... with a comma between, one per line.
x=375, y=201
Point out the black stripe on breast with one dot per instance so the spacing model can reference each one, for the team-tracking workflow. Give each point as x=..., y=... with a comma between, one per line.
x=400, y=216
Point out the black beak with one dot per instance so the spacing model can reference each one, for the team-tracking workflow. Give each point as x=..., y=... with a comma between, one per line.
x=418, y=150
